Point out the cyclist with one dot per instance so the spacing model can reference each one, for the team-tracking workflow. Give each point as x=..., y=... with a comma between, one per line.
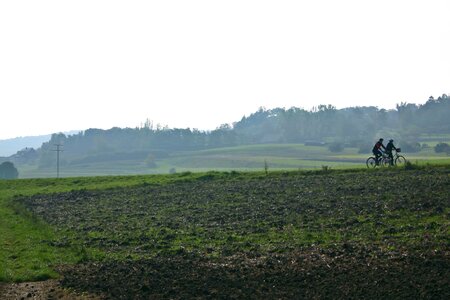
x=377, y=150
x=389, y=147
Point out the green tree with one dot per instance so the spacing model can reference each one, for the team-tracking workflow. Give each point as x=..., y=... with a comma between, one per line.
x=8, y=171
x=336, y=147
x=442, y=148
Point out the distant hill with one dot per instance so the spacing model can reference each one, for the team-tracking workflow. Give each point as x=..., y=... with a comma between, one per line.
x=9, y=147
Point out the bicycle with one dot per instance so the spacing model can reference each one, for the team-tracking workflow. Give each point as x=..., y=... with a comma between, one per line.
x=398, y=160
x=385, y=160
x=372, y=162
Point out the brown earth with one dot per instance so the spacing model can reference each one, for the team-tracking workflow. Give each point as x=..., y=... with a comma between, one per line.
x=353, y=272
x=49, y=289
x=389, y=238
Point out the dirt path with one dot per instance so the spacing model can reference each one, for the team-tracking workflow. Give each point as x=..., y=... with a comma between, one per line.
x=49, y=289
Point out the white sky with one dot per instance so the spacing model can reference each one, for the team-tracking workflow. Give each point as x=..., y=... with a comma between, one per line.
x=68, y=65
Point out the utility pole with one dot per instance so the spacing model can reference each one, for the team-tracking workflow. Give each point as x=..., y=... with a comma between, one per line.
x=57, y=150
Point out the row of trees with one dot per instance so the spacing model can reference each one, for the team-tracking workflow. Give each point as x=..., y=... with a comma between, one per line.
x=406, y=122
x=355, y=126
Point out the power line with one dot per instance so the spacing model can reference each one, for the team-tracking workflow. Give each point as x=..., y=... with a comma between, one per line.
x=57, y=150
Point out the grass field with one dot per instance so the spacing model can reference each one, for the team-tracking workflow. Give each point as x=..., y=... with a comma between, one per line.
x=241, y=158
x=353, y=233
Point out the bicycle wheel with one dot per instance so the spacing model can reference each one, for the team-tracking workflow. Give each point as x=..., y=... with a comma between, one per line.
x=400, y=161
x=371, y=162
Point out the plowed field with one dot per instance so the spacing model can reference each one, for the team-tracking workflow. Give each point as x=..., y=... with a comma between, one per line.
x=286, y=235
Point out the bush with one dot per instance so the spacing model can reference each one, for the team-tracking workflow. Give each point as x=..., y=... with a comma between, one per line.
x=336, y=147
x=410, y=166
x=411, y=147
x=326, y=168
x=8, y=171
x=442, y=148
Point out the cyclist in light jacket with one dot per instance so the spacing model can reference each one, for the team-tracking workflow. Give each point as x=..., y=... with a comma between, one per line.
x=389, y=147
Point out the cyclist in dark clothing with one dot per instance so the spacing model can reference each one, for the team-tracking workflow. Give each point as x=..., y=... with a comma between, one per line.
x=389, y=147
x=377, y=150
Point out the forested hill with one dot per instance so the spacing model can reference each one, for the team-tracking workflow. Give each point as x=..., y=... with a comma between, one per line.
x=351, y=126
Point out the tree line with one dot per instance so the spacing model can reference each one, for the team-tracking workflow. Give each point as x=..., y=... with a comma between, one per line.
x=353, y=126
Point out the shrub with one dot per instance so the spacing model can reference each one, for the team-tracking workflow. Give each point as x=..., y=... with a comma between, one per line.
x=8, y=171
x=411, y=147
x=336, y=147
x=410, y=166
x=326, y=168
x=442, y=148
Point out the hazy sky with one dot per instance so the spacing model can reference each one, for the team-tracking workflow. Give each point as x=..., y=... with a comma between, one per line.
x=68, y=65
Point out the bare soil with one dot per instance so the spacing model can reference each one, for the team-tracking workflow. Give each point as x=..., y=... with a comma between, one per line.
x=49, y=289
x=366, y=235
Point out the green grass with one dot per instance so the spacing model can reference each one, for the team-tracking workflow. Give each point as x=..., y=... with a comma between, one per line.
x=25, y=253
x=240, y=158
x=259, y=211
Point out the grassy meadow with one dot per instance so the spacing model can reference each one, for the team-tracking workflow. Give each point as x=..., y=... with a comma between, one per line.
x=239, y=158
x=354, y=233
